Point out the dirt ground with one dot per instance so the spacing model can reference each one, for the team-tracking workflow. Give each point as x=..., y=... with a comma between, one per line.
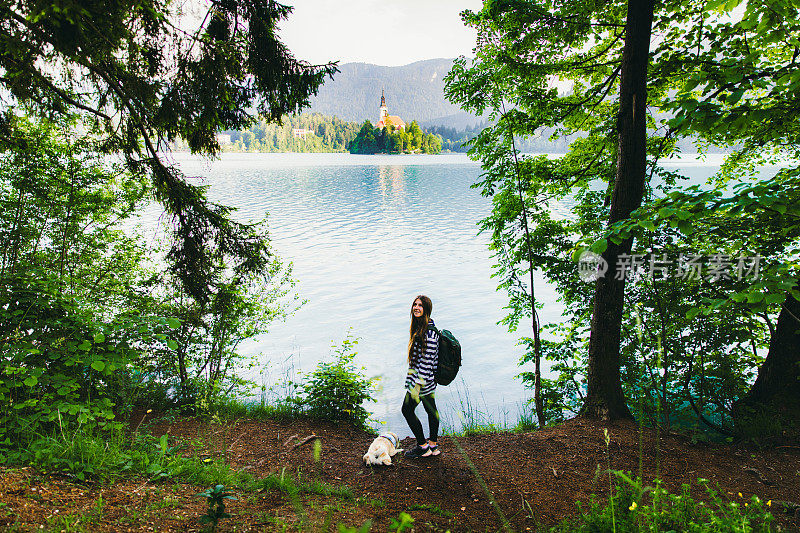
x=534, y=479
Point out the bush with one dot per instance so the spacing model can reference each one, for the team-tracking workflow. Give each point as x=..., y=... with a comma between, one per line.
x=635, y=508
x=336, y=391
x=59, y=364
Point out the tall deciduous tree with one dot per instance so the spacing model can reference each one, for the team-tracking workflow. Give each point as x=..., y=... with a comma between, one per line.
x=718, y=73
x=68, y=284
x=522, y=47
x=777, y=387
x=146, y=73
x=604, y=397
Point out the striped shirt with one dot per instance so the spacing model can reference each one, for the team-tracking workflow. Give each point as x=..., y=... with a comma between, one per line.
x=423, y=363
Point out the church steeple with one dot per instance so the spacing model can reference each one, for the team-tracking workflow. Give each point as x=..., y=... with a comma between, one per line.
x=384, y=111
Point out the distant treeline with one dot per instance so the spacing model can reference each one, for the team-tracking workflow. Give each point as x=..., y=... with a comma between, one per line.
x=297, y=133
x=371, y=140
x=320, y=133
x=455, y=140
x=315, y=132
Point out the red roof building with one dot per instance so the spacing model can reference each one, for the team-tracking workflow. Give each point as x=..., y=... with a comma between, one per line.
x=386, y=119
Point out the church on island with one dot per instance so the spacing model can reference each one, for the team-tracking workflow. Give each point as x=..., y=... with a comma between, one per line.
x=391, y=135
x=386, y=119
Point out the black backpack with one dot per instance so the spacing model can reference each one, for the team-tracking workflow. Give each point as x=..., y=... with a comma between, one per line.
x=449, y=357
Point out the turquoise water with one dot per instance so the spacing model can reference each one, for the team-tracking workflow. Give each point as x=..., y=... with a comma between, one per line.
x=366, y=234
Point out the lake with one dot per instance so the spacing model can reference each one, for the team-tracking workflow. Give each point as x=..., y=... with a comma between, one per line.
x=366, y=234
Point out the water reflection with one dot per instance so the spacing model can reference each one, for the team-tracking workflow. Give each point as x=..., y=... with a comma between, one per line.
x=392, y=185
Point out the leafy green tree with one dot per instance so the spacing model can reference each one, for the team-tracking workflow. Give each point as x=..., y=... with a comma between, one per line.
x=381, y=139
x=150, y=73
x=61, y=211
x=405, y=141
x=365, y=141
x=708, y=221
x=736, y=79
x=248, y=137
x=203, y=356
x=432, y=144
x=81, y=338
x=394, y=142
x=743, y=89
x=720, y=77
x=604, y=398
x=336, y=390
x=68, y=282
x=415, y=134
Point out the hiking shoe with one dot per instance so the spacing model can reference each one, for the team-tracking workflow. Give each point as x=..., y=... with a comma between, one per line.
x=415, y=452
x=434, y=450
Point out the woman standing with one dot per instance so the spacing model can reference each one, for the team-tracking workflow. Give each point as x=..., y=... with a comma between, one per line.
x=423, y=352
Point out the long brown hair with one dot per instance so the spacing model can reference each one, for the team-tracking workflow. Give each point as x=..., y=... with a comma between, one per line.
x=419, y=326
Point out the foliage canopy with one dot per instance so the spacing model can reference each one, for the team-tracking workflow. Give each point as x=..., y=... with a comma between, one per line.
x=719, y=75
x=150, y=73
x=88, y=328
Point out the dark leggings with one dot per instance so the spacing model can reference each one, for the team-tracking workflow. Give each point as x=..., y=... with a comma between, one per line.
x=429, y=403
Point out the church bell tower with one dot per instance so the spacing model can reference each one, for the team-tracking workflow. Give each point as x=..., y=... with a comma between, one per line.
x=384, y=111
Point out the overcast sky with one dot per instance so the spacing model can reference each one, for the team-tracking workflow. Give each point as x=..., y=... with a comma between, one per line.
x=383, y=32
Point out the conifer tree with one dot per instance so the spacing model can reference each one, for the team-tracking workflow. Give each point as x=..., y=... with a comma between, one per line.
x=147, y=73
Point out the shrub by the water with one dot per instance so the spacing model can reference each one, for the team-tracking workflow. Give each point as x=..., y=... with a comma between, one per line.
x=336, y=390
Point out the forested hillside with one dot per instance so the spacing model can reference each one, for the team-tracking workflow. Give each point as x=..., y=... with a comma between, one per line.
x=296, y=133
x=414, y=92
x=318, y=133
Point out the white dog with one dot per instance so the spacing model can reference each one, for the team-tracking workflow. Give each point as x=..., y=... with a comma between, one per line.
x=382, y=450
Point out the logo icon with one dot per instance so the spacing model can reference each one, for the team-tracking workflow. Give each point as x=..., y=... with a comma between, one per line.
x=591, y=266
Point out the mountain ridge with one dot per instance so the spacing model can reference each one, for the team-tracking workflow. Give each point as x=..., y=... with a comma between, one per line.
x=414, y=92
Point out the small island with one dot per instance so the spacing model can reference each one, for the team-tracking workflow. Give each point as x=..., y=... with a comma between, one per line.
x=391, y=136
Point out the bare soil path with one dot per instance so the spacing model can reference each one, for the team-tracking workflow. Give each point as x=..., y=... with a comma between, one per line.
x=533, y=479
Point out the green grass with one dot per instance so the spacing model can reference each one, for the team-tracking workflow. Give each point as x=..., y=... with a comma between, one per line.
x=207, y=472
x=89, y=454
x=526, y=421
x=475, y=419
x=233, y=409
x=84, y=521
x=372, y=502
x=294, y=485
x=634, y=507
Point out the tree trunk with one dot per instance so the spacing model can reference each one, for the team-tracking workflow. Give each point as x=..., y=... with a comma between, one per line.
x=777, y=387
x=605, y=399
x=541, y=418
